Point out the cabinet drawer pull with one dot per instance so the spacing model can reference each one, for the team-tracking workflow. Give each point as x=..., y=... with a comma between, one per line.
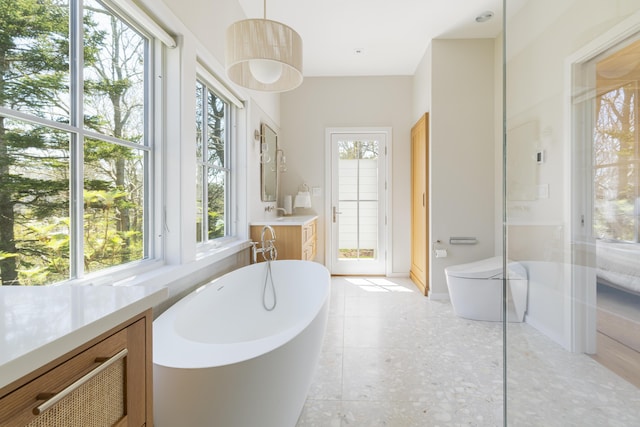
x=54, y=398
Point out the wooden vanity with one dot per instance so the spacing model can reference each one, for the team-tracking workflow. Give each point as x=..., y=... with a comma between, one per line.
x=296, y=236
x=77, y=355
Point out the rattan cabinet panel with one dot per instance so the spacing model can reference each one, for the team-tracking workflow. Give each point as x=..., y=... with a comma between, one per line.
x=104, y=383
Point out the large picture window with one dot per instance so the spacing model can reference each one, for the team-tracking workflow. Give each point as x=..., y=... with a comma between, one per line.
x=74, y=141
x=213, y=116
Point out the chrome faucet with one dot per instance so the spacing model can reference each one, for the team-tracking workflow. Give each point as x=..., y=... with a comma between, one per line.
x=273, y=235
x=267, y=247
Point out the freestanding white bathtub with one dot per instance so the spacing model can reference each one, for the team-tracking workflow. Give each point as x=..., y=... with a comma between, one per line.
x=221, y=359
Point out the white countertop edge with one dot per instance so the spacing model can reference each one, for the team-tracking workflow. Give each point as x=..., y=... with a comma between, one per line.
x=31, y=360
x=296, y=220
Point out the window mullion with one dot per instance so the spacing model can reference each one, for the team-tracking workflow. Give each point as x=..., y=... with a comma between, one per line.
x=205, y=164
x=77, y=139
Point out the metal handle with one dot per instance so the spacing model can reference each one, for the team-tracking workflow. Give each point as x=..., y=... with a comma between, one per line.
x=335, y=214
x=424, y=200
x=55, y=398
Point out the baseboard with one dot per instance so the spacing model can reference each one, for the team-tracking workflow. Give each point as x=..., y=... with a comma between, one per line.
x=398, y=275
x=440, y=296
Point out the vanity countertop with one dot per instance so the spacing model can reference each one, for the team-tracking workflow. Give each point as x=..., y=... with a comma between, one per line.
x=286, y=220
x=39, y=324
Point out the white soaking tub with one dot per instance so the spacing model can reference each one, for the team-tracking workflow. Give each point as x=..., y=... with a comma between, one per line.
x=221, y=359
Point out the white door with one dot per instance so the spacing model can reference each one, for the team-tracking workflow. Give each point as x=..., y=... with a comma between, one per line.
x=358, y=203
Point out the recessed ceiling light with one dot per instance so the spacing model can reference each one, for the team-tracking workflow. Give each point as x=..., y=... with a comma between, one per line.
x=484, y=16
x=358, y=51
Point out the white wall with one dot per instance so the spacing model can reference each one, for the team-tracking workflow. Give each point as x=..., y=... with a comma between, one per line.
x=462, y=159
x=422, y=86
x=320, y=103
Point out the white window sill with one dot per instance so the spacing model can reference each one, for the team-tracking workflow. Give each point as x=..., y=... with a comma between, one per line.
x=156, y=274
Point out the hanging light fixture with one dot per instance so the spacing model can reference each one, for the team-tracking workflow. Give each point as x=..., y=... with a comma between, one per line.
x=264, y=55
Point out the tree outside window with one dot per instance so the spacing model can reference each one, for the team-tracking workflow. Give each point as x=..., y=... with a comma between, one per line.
x=213, y=172
x=616, y=165
x=73, y=147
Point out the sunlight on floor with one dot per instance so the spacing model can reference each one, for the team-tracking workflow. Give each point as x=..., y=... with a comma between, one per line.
x=378, y=284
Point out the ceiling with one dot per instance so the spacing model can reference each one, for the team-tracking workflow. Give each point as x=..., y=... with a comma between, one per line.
x=390, y=35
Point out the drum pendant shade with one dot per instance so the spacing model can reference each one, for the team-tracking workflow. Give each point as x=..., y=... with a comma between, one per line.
x=272, y=50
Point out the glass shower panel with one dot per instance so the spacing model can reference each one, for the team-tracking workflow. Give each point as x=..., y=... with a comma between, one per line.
x=572, y=210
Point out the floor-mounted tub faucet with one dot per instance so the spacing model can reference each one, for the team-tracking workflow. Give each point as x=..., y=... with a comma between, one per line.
x=267, y=247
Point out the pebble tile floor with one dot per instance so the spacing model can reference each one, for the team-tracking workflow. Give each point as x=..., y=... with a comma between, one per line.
x=393, y=358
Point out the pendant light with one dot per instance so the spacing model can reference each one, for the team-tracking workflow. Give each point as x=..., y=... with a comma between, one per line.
x=264, y=55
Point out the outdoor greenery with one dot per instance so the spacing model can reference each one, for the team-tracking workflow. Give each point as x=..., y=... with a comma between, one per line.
x=616, y=162
x=211, y=128
x=49, y=142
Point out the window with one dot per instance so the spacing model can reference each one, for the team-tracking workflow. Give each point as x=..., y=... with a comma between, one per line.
x=617, y=149
x=213, y=160
x=75, y=149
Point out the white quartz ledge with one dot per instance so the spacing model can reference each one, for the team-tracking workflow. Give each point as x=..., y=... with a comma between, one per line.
x=286, y=220
x=39, y=324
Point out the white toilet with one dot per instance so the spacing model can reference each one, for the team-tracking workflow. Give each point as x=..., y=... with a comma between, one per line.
x=475, y=290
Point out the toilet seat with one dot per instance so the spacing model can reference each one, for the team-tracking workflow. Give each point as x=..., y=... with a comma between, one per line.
x=490, y=268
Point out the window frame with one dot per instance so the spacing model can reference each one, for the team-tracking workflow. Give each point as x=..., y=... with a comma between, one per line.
x=79, y=134
x=212, y=85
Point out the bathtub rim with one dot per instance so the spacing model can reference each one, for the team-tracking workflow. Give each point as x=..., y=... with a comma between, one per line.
x=198, y=355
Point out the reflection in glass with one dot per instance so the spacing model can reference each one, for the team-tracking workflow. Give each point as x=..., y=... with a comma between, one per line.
x=574, y=70
x=616, y=161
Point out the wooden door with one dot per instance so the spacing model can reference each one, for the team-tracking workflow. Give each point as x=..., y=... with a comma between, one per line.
x=420, y=204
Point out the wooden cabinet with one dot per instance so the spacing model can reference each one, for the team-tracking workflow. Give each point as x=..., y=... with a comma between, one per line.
x=106, y=382
x=420, y=204
x=293, y=241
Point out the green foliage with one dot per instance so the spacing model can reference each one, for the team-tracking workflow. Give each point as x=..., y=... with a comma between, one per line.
x=616, y=165
x=36, y=234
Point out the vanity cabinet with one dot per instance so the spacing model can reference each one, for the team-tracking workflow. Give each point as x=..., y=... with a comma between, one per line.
x=105, y=382
x=294, y=240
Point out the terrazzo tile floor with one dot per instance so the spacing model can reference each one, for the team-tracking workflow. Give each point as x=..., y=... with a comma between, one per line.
x=393, y=358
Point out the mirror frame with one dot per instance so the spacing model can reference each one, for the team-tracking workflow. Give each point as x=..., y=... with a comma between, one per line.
x=268, y=164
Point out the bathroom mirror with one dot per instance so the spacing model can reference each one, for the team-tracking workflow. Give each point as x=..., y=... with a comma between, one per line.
x=268, y=164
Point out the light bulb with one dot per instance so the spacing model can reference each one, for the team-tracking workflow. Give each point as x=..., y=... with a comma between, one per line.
x=265, y=71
